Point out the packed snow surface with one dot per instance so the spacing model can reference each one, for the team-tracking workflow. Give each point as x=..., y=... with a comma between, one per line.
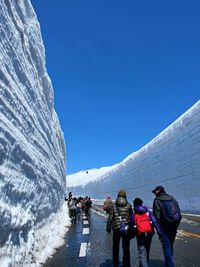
x=171, y=159
x=32, y=149
x=83, y=177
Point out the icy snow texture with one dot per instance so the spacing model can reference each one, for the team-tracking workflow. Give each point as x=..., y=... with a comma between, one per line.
x=32, y=149
x=172, y=159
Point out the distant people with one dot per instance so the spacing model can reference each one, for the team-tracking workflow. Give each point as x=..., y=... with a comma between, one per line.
x=79, y=208
x=72, y=208
x=83, y=202
x=167, y=213
x=88, y=204
x=69, y=197
x=107, y=204
x=144, y=223
x=119, y=212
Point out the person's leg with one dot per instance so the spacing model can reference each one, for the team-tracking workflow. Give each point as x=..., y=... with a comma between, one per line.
x=167, y=250
x=116, y=241
x=126, y=250
x=148, y=244
x=141, y=243
x=75, y=215
x=70, y=213
x=171, y=234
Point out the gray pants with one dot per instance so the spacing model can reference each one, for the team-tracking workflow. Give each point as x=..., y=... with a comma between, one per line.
x=144, y=243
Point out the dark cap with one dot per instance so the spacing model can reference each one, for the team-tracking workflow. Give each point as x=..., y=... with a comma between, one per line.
x=161, y=188
x=137, y=202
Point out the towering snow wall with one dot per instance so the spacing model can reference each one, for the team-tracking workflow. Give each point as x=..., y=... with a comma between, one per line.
x=32, y=149
x=172, y=159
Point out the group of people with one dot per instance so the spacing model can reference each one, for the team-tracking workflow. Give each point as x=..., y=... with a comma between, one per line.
x=141, y=223
x=78, y=206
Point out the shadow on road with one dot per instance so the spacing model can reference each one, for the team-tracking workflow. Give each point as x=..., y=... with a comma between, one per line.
x=152, y=263
x=156, y=263
x=107, y=263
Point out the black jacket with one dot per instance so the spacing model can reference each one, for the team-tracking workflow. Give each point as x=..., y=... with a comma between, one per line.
x=157, y=206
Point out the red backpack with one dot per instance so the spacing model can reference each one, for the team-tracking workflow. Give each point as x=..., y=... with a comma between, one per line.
x=143, y=223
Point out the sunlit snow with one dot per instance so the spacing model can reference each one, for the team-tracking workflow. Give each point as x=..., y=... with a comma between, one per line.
x=171, y=159
x=32, y=149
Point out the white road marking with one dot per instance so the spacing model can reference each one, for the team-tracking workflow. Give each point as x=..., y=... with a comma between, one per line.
x=189, y=222
x=85, y=222
x=83, y=249
x=190, y=214
x=99, y=213
x=86, y=231
x=84, y=217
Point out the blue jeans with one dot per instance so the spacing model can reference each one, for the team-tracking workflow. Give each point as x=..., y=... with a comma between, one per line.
x=167, y=240
x=167, y=251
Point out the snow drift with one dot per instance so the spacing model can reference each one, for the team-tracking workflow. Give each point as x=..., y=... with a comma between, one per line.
x=171, y=159
x=32, y=149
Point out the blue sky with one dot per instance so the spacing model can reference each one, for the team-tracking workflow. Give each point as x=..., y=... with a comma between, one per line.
x=122, y=71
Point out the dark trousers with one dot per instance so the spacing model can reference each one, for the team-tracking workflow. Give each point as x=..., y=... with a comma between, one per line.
x=167, y=241
x=72, y=214
x=144, y=243
x=125, y=245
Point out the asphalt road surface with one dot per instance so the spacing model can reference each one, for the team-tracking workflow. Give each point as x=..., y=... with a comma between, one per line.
x=88, y=245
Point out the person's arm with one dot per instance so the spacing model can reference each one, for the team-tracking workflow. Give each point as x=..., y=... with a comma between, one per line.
x=132, y=219
x=110, y=220
x=157, y=209
x=155, y=223
x=131, y=210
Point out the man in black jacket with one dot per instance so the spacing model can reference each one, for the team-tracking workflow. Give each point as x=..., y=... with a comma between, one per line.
x=167, y=212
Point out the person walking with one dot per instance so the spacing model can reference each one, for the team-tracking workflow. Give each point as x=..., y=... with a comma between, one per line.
x=144, y=223
x=72, y=209
x=88, y=205
x=79, y=208
x=83, y=202
x=107, y=204
x=168, y=215
x=119, y=214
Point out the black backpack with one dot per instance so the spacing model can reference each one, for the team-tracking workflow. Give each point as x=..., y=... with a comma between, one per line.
x=171, y=211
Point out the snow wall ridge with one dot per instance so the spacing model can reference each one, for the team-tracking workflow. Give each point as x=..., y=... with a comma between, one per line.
x=170, y=159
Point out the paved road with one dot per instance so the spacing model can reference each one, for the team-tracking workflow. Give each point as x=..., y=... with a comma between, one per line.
x=88, y=245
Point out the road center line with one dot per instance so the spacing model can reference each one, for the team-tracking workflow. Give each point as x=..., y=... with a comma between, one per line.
x=86, y=231
x=85, y=222
x=83, y=249
x=191, y=234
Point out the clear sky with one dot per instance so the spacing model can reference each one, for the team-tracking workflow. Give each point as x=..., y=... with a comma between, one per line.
x=122, y=71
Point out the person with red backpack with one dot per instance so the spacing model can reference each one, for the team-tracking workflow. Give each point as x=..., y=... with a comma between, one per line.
x=168, y=215
x=144, y=223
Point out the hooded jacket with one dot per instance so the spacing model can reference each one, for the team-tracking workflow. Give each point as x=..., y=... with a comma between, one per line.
x=157, y=205
x=141, y=209
x=107, y=204
x=121, y=208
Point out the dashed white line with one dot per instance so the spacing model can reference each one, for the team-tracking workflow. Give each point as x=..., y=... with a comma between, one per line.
x=86, y=231
x=83, y=249
x=99, y=213
x=85, y=222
